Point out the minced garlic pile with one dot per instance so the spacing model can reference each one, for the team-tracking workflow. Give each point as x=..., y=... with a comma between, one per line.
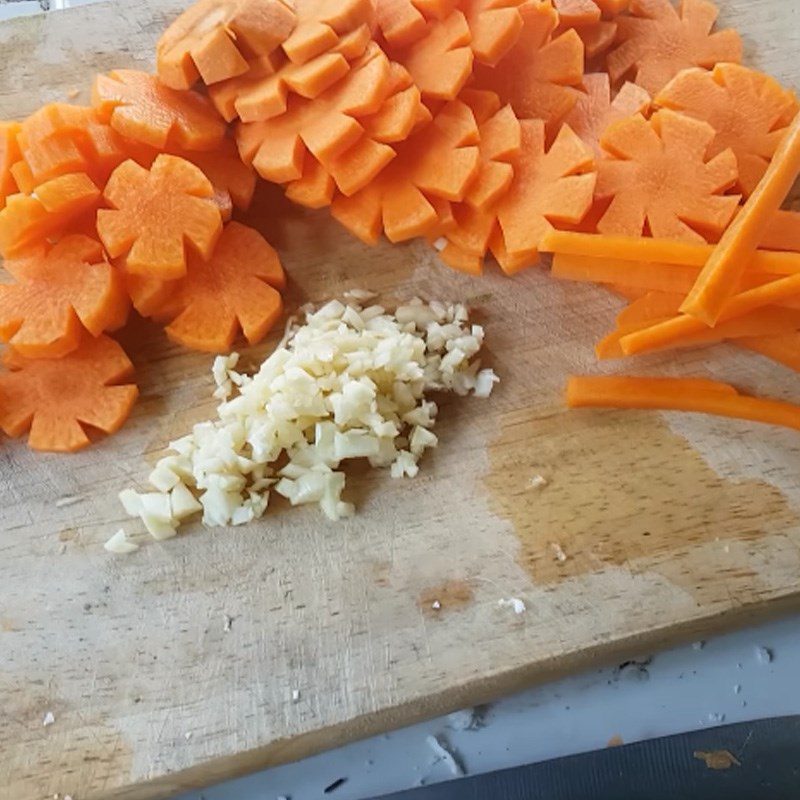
x=351, y=382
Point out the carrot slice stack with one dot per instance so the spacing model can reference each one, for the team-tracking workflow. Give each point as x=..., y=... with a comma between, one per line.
x=59, y=292
x=138, y=106
x=213, y=39
x=678, y=394
x=660, y=177
x=657, y=41
x=9, y=155
x=538, y=75
x=154, y=213
x=234, y=290
x=748, y=110
x=57, y=399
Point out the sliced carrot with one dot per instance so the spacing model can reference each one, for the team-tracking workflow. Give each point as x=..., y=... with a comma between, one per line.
x=783, y=232
x=316, y=187
x=9, y=155
x=57, y=399
x=155, y=213
x=59, y=292
x=438, y=162
x=577, y=12
x=748, y=110
x=723, y=270
x=236, y=289
x=678, y=394
x=595, y=111
x=657, y=41
x=538, y=74
x=28, y=219
x=322, y=23
x=400, y=21
x=783, y=349
x=213, y=39
x=441, y=61
x=401, y=113
x=659, y=175
x=495, y=26
x=138, y=106
x=597, y=37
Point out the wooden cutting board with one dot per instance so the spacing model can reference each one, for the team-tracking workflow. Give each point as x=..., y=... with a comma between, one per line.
x=672, y=526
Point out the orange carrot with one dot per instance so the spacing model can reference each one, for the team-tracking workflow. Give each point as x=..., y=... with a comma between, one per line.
x=678, y=394
x=9, y=155
x=659, y=175
x=495, y=27
x=27, y=219
x=577, y=12
x=56, y=399
x=657, y=41
x=400, y=21
x=154, y=213
x=137, y=106
x=213, y=39
x=783, y=232
x=723, y=270
x=538, y=75
x=783, y=349
x=59, y=292
x=748, y=110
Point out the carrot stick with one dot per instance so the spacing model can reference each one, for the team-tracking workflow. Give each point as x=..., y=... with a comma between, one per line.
x=718, y=281
x=678, y=394
x=783, y=349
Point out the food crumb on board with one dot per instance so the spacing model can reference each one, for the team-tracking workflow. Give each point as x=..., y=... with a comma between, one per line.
x=717, y=759
x=512, y=602
x=228, y=623
x=443, y=753
x=187, y=735
x=698, y=645
x=764, y=655
x=436, y=605
x=558, y=552
x=73, y=93
x=716, y=717
x=537, y=482
x=295, y=695
x=615, y=741
x=49, y=719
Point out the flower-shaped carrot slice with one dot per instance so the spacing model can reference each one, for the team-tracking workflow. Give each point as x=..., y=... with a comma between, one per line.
x=322, y=23
x=657, y=41
x=56, y=399
x=595, y=110
x=748, y=110
x=213, y=39
x=236, y=290
x=155, y=213
x=537, y=75
x=495, y=26
x=9, y=155
x=28, y=219
x=660, y=177
x=59, y=291
x=577, y=12
x=139, y=106
x=438, y=162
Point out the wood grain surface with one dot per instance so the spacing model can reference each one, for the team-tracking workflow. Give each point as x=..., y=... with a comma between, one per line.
x=672, y=526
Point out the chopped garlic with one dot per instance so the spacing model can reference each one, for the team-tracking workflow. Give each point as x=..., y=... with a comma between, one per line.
x=350, y=382
x=120, y=544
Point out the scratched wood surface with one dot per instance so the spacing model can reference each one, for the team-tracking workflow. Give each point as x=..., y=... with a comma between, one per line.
x=672, y=527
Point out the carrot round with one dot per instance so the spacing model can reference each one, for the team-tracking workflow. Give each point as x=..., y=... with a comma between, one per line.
x=56, y=400
x=659, y=174
x=723, y=270
x=138, y=106
x=9, y=155
x=213, y=39
x=657, y=41
x=678, y=394
x=155, y=213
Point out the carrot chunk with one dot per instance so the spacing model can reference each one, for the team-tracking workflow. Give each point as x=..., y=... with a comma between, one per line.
x=723, y=270
x=57, y=399
x=138, y=106
x=678, y=394
x=154, y=213
x=748, y=110
x=657, y=41
x=213, y=39
x=659, y=174
x=59, y=292
x=9, y=155
x=538, y=73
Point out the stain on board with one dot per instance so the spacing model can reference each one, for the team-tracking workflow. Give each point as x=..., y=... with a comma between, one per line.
x=452, y=595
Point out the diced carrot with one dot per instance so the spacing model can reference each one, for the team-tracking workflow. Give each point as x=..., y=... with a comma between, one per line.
x=678, y=394
x=783, y=349
x=57, y=399
x=538, y=75
x=657, y=41
x=577, y=12
x=748, y=110
x=783, y=232
x=659, y=175
x=723, y=270
x=155, y=214
x=59, y=292
x=236, y=289
x=595, y=111
x=213, y=39
x=9, y=155
x=28, y=219
x=138, y=106
x=439, y=161
x=400, y=21
x=322, y=23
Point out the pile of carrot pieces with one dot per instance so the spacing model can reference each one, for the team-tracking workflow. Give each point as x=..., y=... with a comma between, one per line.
x=621, y=136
